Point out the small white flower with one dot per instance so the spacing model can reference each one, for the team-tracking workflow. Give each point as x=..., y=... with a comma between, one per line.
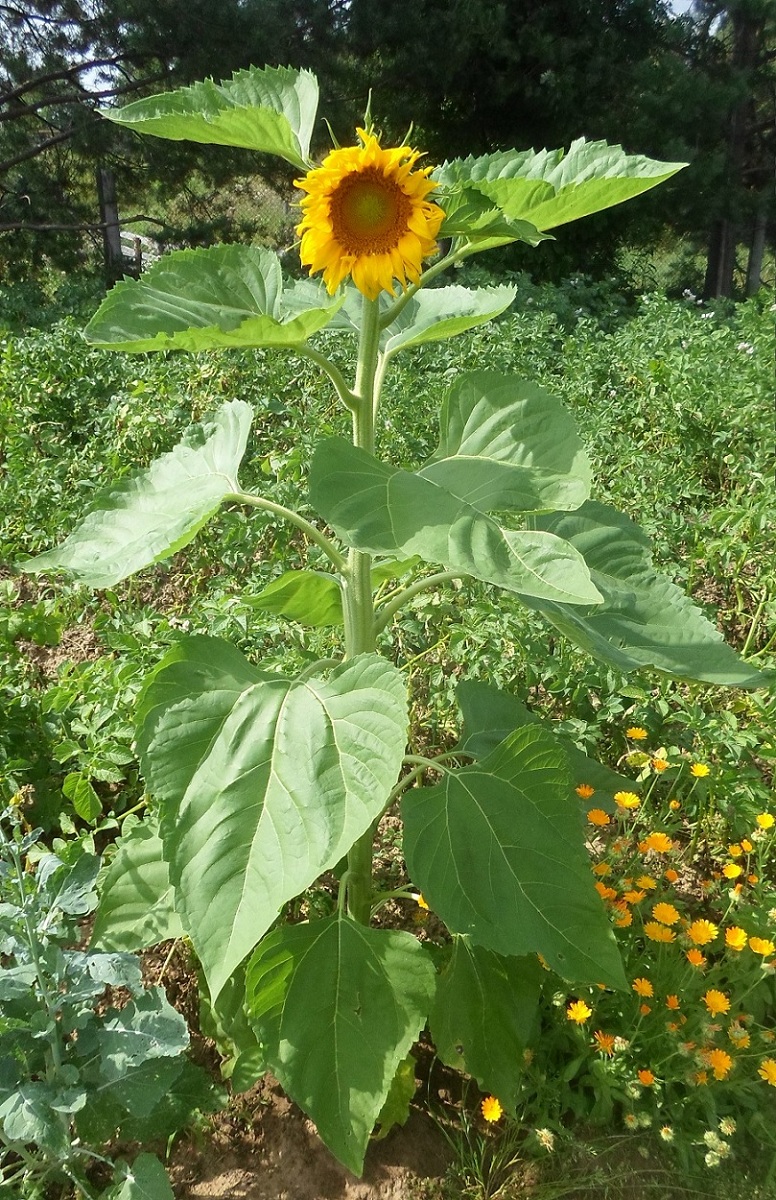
x=712, y=1159
x=644, y=1120
x=546, y=1138
x=667, y=1133
x=727, y=1126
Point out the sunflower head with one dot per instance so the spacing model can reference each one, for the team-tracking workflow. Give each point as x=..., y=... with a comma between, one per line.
x=366, y=215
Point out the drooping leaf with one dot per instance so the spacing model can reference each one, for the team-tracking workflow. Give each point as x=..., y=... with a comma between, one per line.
x=506, y=443
x=151, y=514
x=550, y=187
x=490, y=715
x=434, y=314
x=498, y=851
x=223, y=297
x=382, y=510
x=338, y=1006
x=262, y=782
x=137, y=904
x=645, y=620
x=483, y=1016
x=310, y=597
x=271, y=110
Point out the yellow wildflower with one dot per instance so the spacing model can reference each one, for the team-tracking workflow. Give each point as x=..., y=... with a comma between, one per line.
x=578, y=1011
x=491, y=1109
x=700, y=770
x=666, y=914
x=716, y=1002
x=762, y=946
x=636, y=733
x=767, y=1071
x=735, y=937
x=597, y=816
x=702, y=932
x=626, y=799
x=585, y=791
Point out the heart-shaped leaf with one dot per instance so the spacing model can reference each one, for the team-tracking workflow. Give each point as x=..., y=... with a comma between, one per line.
x=337, y=1056
x=498, y=851
x=262, y=782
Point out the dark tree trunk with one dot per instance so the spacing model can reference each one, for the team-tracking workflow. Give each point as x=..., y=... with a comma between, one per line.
x=757, y=252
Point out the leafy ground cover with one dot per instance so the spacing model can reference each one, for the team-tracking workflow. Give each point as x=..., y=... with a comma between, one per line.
x=671, y=399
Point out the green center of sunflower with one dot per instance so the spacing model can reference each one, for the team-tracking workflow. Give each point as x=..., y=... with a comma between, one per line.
x=369, y=213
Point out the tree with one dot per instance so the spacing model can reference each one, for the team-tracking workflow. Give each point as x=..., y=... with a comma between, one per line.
x=61, y=60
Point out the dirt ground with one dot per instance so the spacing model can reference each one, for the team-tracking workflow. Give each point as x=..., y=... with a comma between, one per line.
x=265, y=1148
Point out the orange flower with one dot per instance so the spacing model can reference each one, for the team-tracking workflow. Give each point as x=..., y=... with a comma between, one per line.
x=702, y=932
x=625, y=917
x=636, y=733
x=735, y=937
x=626, y=800
x=716, y=1002
x=606, y=893
x=700, y=1078
x=674, y=805
x=671, y=875
x=659, y=933
x=660, y=764
x=672, y=1001
x=753, y=879
x=746, y=845
x=735, y=851
x=604, y=1042
x=585, y=791
x=597, y=816
x=666, y=914
x=578, y=1012
x=660, y=843
x=633, y=897
x=646, y=1078
x=695, y=958
x=646, y=882
x=644, y=1009
x=602, y=868
x=720, y=1062
x=642, y=987
x=762, y=946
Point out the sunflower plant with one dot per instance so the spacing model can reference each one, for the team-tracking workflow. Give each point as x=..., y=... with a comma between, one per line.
x=259, y=785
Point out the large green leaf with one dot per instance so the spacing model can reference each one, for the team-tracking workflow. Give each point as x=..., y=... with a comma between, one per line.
x=506, y=443
x=137, y=904
x=262, y=782
x=150, y=514
x=224, y=297
x=498, y=851
x=490, y=715
x=645, y=620
x=484, y=1014
x=271, y=110
x=550, y=187
x=382, y=510
x=337, y=1006
x=434, y=314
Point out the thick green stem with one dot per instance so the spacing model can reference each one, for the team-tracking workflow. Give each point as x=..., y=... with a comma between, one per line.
x=358, y=598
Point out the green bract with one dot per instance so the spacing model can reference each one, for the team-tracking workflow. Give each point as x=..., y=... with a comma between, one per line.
x=262, y=786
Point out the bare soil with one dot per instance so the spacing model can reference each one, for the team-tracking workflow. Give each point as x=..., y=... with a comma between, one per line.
x=264, y=1148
